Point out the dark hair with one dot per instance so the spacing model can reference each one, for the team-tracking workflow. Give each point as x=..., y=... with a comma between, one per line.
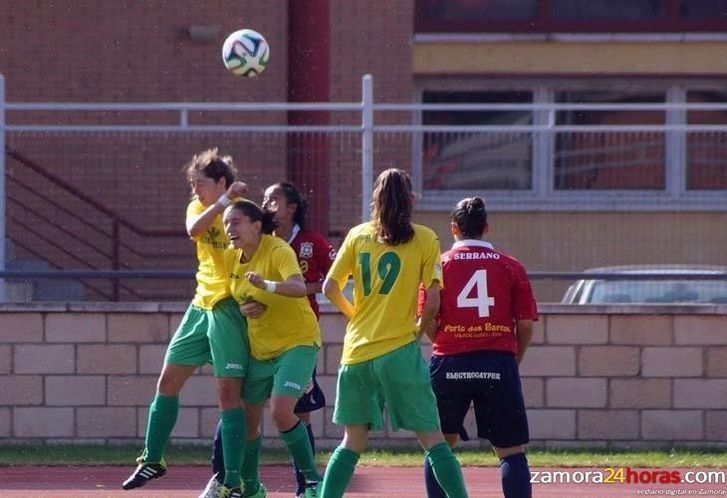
x=393, y=206
x=292, y=195
x=213, y=165
x=470, y=215
x=253, y=211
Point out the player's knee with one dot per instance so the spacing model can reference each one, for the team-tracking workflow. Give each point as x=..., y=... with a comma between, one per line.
x=503, y=453
x=356, y=441
x=169, y=385
x=228, y=393
x=229, y=400
x=452, y=440
x=283, y=417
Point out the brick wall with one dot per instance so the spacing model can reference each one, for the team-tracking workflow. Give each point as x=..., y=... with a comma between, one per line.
x=127, y=51
x=594, y=377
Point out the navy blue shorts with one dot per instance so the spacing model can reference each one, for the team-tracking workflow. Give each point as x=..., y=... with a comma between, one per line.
x=488, y=379
x=313, y=398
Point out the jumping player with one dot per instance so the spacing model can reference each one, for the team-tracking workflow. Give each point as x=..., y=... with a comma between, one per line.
x=381, y=364
x=315, y=255
x=212, y=330
x=484, y=326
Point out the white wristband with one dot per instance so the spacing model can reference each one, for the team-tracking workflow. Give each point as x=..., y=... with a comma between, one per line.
x=270, y=286
x=224, y=201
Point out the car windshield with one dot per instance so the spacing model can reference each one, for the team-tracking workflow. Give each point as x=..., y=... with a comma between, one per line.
x=347, y=291
x=658, y=291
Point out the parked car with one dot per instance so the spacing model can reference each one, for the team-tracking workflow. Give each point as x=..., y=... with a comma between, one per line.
x=601, y=291
x=347, y=291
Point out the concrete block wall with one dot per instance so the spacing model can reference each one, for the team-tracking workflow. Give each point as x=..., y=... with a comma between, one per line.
x=636, y=377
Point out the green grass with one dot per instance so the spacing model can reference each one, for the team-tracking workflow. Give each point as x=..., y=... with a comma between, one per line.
x=13, y=455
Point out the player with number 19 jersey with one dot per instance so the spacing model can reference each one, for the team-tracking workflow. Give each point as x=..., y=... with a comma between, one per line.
x=384, y=319
x=488, y=291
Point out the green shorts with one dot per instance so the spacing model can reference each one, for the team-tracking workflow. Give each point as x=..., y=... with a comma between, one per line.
x=217, y=336
x=286, y=375
x=397, y=381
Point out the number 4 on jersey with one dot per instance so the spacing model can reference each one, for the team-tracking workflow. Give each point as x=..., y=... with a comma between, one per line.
x=480, y=300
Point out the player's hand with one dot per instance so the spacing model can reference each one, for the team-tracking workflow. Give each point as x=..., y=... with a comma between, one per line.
x=237, y=189
x=253, y=309
x=421, y=331
x=519, y=357
x=255, y=279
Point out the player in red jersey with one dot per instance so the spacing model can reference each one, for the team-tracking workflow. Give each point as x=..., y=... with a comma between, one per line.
x=315, y=257
x=315, y=254
x=484, y=326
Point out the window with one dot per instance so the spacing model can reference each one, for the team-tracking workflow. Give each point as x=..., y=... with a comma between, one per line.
x=464, y=160
x=613, y=10
x=578, y=16
x=707, y=150
x=583, y=144
x=462, y=10
x=603, y=160
x=702, y=9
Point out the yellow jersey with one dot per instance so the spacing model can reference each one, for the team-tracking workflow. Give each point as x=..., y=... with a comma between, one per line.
x=210, y=247
x=288, y=321
x=386, y=282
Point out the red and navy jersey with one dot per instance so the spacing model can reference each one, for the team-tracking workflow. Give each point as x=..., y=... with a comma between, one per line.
x=315, y=257
x=486, y=292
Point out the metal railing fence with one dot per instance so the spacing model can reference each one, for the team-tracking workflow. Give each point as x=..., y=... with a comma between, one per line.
x=125, y=158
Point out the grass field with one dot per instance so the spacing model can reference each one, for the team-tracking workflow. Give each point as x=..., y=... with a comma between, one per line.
x=15, y=455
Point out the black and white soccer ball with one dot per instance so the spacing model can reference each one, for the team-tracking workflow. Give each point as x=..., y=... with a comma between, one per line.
x=245, y=53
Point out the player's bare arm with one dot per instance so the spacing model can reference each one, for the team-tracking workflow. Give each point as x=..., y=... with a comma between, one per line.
x=428, y=320
x=293, y=286
x=201, y=223
x=253, y=309
x=336, y=297
x=313, y=287
x=524, y=333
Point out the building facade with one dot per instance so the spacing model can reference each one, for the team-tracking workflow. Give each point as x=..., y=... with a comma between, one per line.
x=569, y=186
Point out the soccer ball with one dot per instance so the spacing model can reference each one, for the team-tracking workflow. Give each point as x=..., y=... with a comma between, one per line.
x=245, y=53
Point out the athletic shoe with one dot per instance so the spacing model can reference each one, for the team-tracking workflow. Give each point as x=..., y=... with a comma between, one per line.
x=225, y=492
x=311, y=490
x=144, y=473
x=260, y=493
x=212, y=486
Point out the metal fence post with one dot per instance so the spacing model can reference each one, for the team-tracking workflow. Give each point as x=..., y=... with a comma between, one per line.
x=3, y=296
x=115, y=265
x=676, y=143
x=367, y=145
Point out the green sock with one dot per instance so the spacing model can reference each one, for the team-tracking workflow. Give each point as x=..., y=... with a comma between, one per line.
x=338, y=473
x=250, y=475
x=447, y=470
x=233, y=444
x=162, y=417
x=298, y=443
